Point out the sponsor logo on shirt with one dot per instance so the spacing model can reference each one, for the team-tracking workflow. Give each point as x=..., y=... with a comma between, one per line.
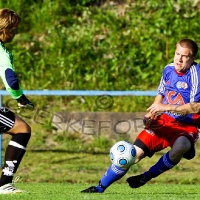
x=181, y=84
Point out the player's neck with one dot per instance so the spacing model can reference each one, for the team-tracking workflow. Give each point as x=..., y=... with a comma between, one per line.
x=180, y=73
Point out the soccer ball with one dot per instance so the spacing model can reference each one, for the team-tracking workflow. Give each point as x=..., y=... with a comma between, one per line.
x=123, y=154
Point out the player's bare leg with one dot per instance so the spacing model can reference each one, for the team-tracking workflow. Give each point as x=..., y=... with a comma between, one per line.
x=15, y=151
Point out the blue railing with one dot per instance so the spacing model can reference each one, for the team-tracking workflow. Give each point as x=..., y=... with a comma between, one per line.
x=74, y=93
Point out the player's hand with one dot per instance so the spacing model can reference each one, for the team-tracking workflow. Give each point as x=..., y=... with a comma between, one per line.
x=157, y=108
x=148, y=119
x=23, y=102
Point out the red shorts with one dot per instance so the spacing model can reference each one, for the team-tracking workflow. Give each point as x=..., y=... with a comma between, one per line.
x=163, y=132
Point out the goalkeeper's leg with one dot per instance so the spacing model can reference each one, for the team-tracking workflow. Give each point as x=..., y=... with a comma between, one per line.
x=20, y=132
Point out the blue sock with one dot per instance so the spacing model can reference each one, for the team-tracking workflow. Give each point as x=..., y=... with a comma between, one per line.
x=163, y=164
x=113, y=174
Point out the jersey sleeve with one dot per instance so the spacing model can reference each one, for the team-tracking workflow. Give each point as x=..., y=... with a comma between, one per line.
x=195, y=80
x=9, y=77
x=161, y=87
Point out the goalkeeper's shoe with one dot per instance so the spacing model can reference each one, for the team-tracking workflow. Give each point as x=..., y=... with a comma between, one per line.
x=10, y=188
x=136, y=181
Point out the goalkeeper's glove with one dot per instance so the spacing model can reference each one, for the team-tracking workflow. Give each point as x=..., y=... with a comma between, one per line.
x=23, y=102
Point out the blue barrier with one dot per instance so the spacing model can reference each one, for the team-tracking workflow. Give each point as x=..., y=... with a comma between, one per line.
x=74, y=93
x=84, y=93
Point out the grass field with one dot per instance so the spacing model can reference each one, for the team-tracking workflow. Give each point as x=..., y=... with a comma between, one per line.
x=63, y=172
x=62, y=175
x=56, y=191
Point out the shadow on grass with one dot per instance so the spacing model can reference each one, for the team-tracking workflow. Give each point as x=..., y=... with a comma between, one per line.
x=67, y=151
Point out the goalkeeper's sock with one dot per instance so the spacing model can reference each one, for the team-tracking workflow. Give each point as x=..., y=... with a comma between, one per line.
x=113, y=174
x=163, y=164
x=13, y=156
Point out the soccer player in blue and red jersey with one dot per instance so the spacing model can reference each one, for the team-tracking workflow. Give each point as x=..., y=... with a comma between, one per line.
x=180, y=84
x=10, y=123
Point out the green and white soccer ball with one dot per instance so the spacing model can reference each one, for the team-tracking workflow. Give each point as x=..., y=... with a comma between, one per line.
x=123, y=154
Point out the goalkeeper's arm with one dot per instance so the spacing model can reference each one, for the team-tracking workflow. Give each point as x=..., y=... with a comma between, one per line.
x=12, y=85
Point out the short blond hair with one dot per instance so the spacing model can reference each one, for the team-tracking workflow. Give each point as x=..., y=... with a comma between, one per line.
x=190, y=44
x=8, y=19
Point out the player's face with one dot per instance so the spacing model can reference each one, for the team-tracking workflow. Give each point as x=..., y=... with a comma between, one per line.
x=183, y=59
x=9, y=34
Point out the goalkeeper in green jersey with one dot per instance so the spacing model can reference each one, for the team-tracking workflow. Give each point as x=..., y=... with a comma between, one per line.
x=10, y=123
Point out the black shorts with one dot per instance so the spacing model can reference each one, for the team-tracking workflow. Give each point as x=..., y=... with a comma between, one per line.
x=7, y=119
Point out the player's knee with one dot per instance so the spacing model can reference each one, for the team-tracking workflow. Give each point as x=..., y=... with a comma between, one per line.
x=140, y=154
x=20, y=126
x=181, y=149
x=23, y=127
x=28, y=128
x=181, y=145
x=177, y=152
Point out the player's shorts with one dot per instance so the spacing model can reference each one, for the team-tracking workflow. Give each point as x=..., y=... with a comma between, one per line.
x=163, y=132
x=7, y=119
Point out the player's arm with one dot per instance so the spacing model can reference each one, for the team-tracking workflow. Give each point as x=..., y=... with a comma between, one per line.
x=149, y=116
x=189, y=108
x=158, y=99
x=12, y=85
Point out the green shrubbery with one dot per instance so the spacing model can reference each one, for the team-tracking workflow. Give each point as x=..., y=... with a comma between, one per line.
x=74, y=46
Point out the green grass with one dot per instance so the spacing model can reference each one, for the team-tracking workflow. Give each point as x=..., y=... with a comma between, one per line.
x=79, y=164
x=62, y=174
x=60, y=165
x=56, y=191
